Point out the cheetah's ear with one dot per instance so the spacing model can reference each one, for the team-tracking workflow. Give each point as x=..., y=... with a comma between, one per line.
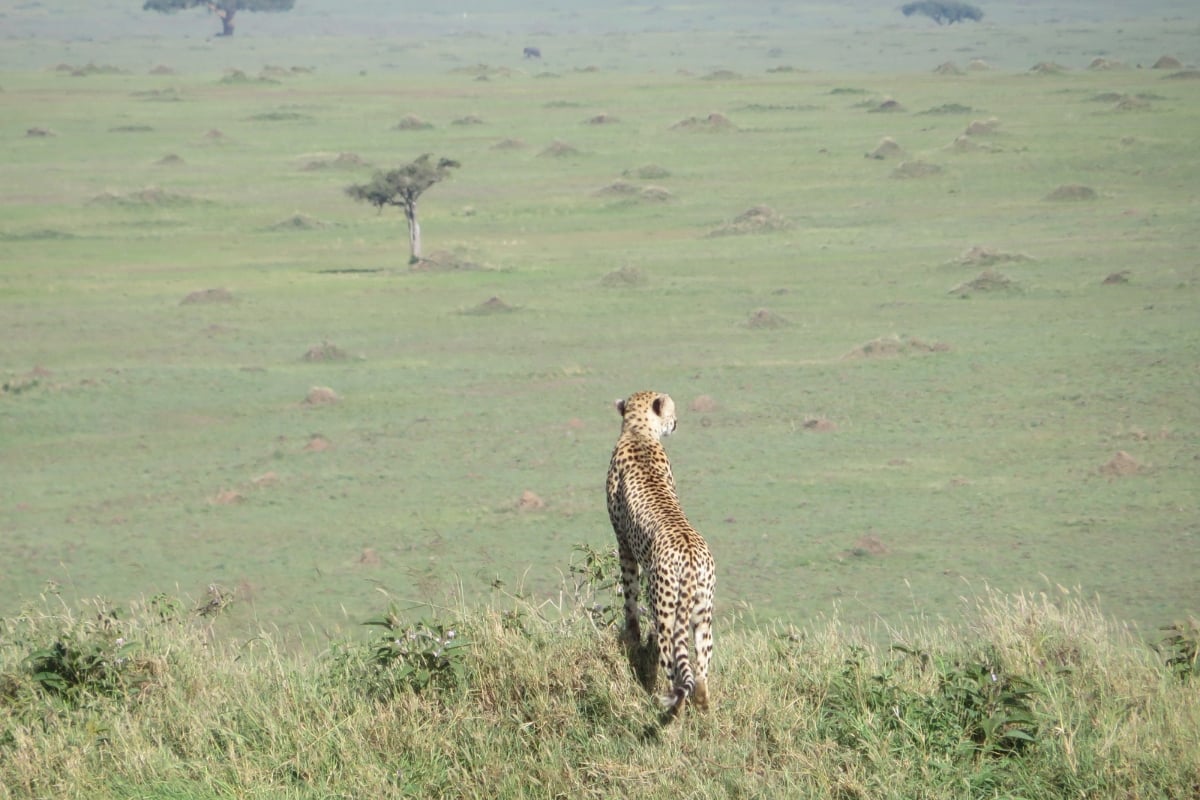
x=656, y=406
x=620, y=404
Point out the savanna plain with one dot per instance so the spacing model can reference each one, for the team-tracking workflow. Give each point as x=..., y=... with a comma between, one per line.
x=926, y=298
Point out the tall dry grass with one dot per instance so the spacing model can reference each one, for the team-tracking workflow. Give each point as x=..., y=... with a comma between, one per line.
x=1027, y=696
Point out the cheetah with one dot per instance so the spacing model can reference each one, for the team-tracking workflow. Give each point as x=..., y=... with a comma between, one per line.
x=654, y=534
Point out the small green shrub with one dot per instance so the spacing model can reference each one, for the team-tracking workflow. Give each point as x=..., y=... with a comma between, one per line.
x=426, y=655
x=76, y=658
x=597, y=578
x=1181, y=647
x=975, y=709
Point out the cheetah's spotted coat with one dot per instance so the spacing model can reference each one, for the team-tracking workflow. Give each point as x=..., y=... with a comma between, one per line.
x=654, y=534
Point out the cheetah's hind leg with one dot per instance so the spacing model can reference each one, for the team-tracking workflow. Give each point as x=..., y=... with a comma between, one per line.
x=643, y=659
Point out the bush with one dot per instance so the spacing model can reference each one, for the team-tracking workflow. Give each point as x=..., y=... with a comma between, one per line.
x=949, y=11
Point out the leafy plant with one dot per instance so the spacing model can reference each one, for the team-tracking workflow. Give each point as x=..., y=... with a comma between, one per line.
x=426, y=655
x=976, y=708
x=991, y=706
x=88, y=657
x=1181, y=646
x=597, y=576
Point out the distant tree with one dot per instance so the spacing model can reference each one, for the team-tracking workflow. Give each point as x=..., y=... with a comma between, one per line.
x=224, y=9
x=949, y=11
x=401, y=187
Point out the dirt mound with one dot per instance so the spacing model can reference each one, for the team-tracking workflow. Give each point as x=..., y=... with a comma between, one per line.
x=558, y=149
x=170, y=160
x=39, y=133
x=369, y=557
x=978, y=256
x=655, y=194
x=170, y=95
x=267, y=479
x=887, y=148
x=947, y=108
x=618, y=189
x=1047, y=68
x=1116, y=278
x=529, y=501
x=722, y=75
x=162, y=69
x=411, y=122
x=868, y=545
x=758, y=219
x=947, y=68
x=446, y=261
x=325, y=351
x=340, y=161
x=298, y=222
x=214, y=135
x=704, y=404
x=1101, y=64
x=965, y=144
x=624, y=277
x=1186, y=74
x=1121, y=465
x=1071, y=192
x=1167, y=62
x=227, y=497
x=978, y=65
x=982, y=127
x=989, y=280
x=894, y=345
x=601, y=119
x=493, y=305
x=321, y=396
x=765, y=319
x=887, y=106
x=648, y=172
x=1131, y=103
x=469, y=119
x=509, y=144
x=916, y=169
x=235, y=77
x=207, y=296
x=819, y=425
x=715, y=121
x=317, y=444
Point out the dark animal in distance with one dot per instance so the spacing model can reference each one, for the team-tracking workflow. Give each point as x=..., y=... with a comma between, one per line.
x=533, y=52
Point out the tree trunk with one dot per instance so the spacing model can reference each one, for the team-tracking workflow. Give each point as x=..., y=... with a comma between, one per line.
x=226, y=17
x=414, y=231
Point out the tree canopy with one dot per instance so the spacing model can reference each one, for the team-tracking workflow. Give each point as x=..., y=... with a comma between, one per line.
x=224, y=9
x=950, y=11
x=401, y=187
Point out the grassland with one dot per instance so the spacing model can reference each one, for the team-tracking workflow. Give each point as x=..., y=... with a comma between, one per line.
x=1029, y=696
x=943, y=400
x=874, y=436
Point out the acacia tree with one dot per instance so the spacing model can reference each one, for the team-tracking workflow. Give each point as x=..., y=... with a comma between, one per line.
x=951, y=11
x=401, y=187
x=224, y=9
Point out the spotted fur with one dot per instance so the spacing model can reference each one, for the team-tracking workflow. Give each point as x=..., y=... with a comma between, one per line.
x=654, y=535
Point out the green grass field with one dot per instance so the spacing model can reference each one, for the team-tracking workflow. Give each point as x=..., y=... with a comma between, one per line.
x=864, y=434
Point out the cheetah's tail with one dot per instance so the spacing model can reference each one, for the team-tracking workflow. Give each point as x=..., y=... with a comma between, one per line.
x=673, y=700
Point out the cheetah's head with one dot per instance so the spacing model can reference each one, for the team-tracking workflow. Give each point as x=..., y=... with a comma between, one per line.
x=650, y=412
